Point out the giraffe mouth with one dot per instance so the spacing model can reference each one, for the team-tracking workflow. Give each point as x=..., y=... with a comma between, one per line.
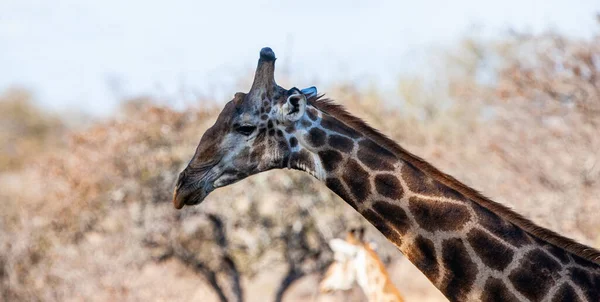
x=183, y=197
x=191, y=190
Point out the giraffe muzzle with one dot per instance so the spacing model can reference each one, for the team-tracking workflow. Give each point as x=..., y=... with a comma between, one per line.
x=191, y=190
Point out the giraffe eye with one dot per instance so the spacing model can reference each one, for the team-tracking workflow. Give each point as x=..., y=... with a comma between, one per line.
x=245, y=130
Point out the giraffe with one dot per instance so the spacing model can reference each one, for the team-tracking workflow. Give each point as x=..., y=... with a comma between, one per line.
x=356, y=260
x=470, y=247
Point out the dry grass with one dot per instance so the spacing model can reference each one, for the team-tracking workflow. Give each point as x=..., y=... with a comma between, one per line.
x=91, y=218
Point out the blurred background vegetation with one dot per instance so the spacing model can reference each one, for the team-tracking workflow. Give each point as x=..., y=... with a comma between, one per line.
x=86, y=212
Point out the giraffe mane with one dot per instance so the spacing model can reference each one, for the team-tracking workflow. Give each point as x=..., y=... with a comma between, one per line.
x=339, y=112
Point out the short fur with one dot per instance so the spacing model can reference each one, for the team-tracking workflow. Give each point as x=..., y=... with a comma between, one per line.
x=340, y=113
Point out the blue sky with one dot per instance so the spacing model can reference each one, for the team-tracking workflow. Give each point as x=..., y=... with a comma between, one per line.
x=89, y=54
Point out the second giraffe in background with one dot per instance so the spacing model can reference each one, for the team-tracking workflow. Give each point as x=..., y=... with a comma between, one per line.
x=356, y=261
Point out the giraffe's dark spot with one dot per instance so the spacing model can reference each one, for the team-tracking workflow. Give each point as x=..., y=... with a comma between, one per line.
x=587, y=281
x=388, y=185
x=433, y=215
x=337, y=126
x=500, y=227
x=312, y=113
x=262, y=110
x=290, y=128
x=380, y=224
x=264, y=117
x=293, y=142
x=330, y=159
x=419, y=182
x=457, y=284
x=336, y=186
x=559, y=253
x=269, y=124
x=268, y=109
x=536, y=274
x=302, y=160
x=371, y=147
x=271, y=132
x=305, y=124
x=279, y=133
x=565, y=293
x=263, y=96
x=393, y=214
x=584, y=262
x=341, y=143
x=357, y=179
x=285, y=150
x=422, y=254
x=495, y=291
x=375, y=157
x=492, y=252
x=316, y=137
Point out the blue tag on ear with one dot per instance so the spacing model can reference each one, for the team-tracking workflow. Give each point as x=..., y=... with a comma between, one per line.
x=309, y=92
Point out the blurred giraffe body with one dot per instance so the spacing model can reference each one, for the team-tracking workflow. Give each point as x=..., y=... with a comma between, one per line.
x=357, y=261
x=470, y=247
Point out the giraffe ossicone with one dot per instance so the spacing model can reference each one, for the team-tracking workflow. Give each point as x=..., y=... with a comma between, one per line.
x=470, y=248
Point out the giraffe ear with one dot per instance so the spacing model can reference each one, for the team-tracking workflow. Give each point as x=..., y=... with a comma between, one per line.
x=295, y=107
x=309, y=92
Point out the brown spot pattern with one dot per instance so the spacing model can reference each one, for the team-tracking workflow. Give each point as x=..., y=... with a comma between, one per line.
x=382, y=225
x=357, y=179
x=305, y=124
x=336, y=186
x=293, y=142
x=330, y=159
x=536, y=274
x=393, y=214
x=389, y=186
x=375, y=157
x=558, y=253
x=433, y=215
x=422, y=254
x=341, y=143
x=588, y=282
x=492, y=252
x=462, y=270
x=495, y=291
x=420, y=183
x=312, y=113
x=565, y=293
x=316, y=137
x=290, y=128
x=338, y=126
x=500, y=227
x=584, y=262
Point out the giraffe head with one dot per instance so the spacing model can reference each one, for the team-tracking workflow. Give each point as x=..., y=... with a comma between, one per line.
x=348, y=262
x=357, y=261
x=252, y=134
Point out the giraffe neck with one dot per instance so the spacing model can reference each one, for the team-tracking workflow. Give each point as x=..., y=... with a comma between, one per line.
x=467, y=251
x=374, y=279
